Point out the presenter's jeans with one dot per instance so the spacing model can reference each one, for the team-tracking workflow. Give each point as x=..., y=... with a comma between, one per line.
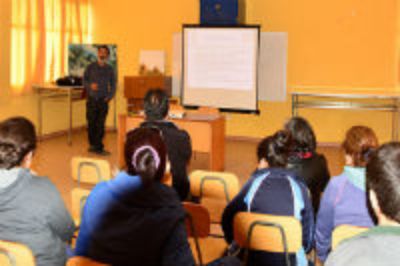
x=96, y=113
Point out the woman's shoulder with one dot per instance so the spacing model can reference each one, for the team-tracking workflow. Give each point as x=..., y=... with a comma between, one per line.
x=336, y=182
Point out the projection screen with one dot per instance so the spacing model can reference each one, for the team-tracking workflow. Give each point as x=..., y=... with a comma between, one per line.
x=220, y=67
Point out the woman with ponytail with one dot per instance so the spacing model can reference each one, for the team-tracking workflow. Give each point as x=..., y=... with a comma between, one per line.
x=304, y=159
x=273, y=189
x=344, y=200
x=31, y=209
x=134, y=219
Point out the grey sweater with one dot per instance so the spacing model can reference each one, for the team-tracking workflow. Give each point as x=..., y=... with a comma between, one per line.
x=377, y=246
x=33, y=213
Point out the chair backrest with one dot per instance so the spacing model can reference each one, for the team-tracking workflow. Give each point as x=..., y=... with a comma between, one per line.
x=197, y=225
x=91, y=171
x=345, y=231
x=215, y=189
x=265, y=232
x=82, y=261
x=78, y=200
x=15, y=254
x=220, y=185
x=200, y=219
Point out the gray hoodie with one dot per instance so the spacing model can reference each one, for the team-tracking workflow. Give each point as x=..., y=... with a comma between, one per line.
x=376, y=247
x=33, y=213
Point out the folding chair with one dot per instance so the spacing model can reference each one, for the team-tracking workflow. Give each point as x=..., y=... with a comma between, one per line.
x=345, y=231
x=15, y=254
x=215, y=190
x=204, y=247
x=90, y=171
x=78, y=200
x=270, y=233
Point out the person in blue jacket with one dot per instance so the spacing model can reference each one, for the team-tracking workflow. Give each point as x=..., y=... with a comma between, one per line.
x=273, y=189
x=134, y=219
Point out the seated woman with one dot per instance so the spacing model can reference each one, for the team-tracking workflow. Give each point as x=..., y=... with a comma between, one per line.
x=305, y=161
x=134, y=219
x=32, y=211
x=272, y=189
x=344, y=200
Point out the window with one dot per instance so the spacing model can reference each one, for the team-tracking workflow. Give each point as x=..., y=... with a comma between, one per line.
x=40, y=33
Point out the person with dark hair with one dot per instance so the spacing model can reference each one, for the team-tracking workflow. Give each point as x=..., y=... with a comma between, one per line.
x=134, y=219
x=273, y=189
x=379, y=245
x=344, y=200
x=32, y=211
x=179, y=147
x=100, y=85
x=305, y=161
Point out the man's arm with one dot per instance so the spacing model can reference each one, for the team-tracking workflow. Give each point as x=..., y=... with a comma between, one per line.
x=86, y=79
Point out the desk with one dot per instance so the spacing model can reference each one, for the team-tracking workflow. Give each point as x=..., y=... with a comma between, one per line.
x=206, y=131
x=52, y=91
x=368, y=99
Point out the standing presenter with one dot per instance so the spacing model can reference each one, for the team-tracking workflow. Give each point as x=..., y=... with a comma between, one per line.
x=99, y=83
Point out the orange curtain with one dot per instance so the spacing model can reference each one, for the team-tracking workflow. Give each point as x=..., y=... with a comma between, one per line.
x=41, y=32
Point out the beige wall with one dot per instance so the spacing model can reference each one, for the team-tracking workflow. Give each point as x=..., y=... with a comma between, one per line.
x=341, y=43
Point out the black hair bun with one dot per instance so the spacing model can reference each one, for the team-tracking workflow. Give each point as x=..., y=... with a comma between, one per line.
x=9, y=155
x=282, y=140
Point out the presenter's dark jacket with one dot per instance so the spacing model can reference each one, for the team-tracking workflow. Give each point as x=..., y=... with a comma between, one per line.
x=312, y=167
x=179, y=149
x=275, y=191
x=104, y=77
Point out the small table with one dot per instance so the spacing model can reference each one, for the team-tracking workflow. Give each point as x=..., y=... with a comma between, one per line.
x=207, y=133
x=367, y=99
x=52, y=91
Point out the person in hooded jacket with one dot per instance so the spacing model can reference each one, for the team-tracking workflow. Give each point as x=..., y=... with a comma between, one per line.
x=32, y=210
x=134, y=219
x=273, y=189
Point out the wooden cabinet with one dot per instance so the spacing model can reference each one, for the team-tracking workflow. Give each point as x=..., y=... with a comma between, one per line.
x=136, y=87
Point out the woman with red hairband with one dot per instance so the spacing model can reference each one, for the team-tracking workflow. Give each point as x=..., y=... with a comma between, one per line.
x=134, y=219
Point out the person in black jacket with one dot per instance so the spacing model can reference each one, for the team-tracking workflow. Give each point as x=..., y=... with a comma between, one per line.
x=305, y=161
x=273, y=189
x=134, y=219
x=179, y=147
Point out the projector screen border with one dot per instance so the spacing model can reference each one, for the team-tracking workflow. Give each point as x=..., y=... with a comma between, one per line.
x=234, y=110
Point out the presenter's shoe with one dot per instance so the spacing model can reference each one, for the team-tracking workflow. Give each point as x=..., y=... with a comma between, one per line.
x=102, y=152
x=92, y=149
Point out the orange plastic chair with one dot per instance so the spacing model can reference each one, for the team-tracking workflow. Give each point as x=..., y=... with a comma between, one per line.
x=271, y=233
x=15, y=254
x=89, y=170
x=345, y=231
x=204, y=247
x=215, y=190
x=78, y=200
